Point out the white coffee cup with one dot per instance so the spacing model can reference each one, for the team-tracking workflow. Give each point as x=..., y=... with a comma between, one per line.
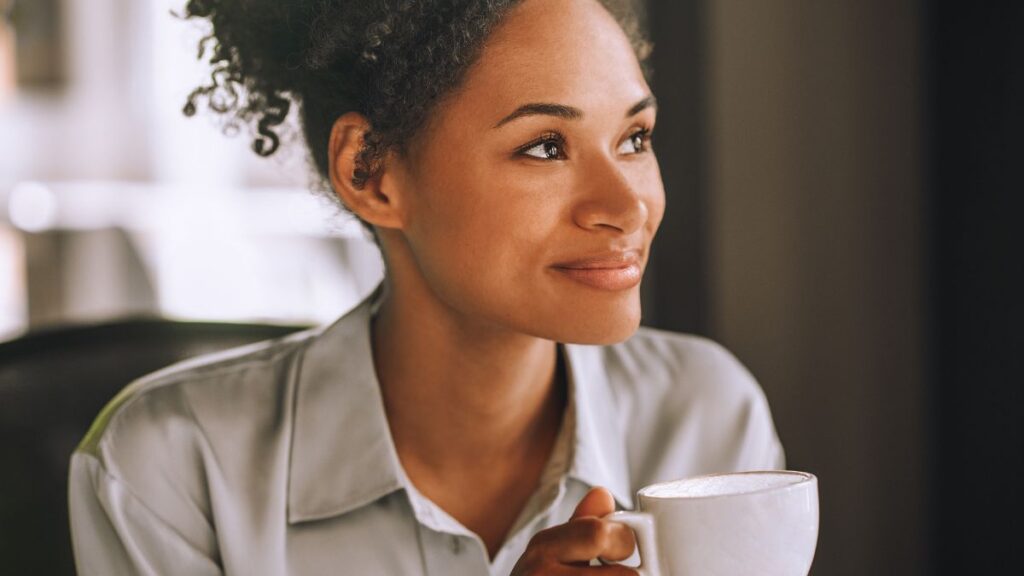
x=739, y=524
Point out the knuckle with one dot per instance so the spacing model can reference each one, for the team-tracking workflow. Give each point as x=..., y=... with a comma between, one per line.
x=598, y=532
x=606, y=533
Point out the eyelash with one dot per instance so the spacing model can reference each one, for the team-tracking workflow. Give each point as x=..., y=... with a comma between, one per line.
x=645, y=132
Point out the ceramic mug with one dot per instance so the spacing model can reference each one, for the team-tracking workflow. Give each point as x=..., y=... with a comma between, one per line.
x=738, y=524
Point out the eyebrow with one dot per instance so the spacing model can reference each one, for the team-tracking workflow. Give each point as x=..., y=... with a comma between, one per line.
x=568, y=112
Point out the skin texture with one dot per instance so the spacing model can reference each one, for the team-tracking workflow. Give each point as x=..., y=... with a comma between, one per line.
x=471, y=227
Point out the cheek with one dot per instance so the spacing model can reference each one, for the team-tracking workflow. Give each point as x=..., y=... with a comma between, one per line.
x=478, y=235
x=483, y=238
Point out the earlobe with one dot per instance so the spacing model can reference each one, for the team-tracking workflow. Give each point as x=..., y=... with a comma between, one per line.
x=367, y=198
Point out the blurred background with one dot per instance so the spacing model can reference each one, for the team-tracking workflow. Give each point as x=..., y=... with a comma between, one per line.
x=843, y=181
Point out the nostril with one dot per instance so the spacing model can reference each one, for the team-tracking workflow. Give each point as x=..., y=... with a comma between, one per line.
x=624, y=214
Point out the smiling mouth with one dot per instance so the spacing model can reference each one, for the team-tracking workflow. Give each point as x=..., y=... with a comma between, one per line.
x=611, y=279
x=613, y=271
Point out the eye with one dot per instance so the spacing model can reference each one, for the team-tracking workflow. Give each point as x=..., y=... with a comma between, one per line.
x=637, y=142
x=549, y=147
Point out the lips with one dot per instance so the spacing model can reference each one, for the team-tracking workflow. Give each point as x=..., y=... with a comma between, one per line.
x=611, y=271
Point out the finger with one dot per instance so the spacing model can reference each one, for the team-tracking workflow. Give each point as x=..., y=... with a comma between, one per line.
x=584, y=539
x=605, y=571
x=623, y=545
x=563, y=570
x=598, y=502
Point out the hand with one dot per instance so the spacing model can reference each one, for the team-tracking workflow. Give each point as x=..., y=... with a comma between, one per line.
x=568, y=548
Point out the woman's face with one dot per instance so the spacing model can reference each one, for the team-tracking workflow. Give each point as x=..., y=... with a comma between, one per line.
x=534, y=191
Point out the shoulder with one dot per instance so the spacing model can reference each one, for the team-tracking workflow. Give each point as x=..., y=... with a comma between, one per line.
x=163, y=425
x=679, y=365
x=694, y=399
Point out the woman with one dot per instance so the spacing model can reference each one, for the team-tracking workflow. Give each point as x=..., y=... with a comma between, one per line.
x=494, y=399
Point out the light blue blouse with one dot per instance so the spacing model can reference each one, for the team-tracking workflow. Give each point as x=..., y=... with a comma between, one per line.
x=277, y=458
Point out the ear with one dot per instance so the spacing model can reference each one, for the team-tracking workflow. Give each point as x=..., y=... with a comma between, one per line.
x=378, y=200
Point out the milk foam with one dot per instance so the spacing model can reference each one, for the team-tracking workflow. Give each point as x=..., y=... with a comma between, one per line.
x=721, y=485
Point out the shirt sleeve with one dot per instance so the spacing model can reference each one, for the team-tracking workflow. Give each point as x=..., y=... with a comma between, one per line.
x=759, y=447
x=776, y=454
x=114, y=533
x=694, y=409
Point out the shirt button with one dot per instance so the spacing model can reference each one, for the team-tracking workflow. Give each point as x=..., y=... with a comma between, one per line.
x=456, y=545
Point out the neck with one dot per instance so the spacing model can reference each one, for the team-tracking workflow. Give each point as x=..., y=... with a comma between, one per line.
x=458, y=392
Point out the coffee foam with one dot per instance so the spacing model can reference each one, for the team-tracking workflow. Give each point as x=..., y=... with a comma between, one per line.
x=721, y=485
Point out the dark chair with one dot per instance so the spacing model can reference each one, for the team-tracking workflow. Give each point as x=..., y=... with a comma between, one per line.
x=52, y=384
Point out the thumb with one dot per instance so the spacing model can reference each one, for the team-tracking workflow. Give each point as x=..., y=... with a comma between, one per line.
x=598, y=502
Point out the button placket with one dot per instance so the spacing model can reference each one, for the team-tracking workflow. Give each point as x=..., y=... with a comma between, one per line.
x=447, y=555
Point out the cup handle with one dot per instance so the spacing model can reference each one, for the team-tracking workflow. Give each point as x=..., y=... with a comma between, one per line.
x=646, y=543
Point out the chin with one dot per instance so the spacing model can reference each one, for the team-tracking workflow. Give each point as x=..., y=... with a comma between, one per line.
x=594, y=325
x=607, y=335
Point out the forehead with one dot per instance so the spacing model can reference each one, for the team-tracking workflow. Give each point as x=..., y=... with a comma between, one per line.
x=559, y=51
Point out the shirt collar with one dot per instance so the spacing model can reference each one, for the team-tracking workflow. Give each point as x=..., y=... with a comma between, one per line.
x=343, y=456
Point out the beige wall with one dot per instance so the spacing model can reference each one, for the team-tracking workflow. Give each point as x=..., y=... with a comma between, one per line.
x=816, y=253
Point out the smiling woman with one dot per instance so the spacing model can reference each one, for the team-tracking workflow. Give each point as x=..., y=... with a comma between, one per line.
x=494, y=398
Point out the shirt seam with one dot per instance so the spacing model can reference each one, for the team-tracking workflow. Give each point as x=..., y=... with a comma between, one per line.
x=102, y=429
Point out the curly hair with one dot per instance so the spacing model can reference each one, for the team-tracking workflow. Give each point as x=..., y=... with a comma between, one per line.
x=389, y=60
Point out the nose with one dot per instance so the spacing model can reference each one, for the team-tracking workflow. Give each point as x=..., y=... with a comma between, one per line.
x=611, y=202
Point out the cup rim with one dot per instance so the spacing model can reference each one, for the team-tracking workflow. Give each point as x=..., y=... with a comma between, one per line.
x=806, y=477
